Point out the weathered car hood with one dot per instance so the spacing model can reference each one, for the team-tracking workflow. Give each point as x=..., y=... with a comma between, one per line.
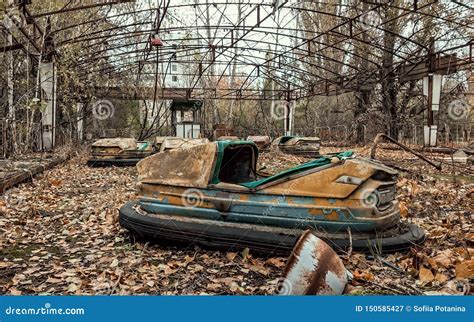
x=376, y=165
x=185, y=167
x=175, y=143
x=322, y=182
x=122, y=143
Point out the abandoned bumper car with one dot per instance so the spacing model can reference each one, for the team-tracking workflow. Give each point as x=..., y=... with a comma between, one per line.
x=210, y=195
x=119, y=152
x=298, y=145
x=127, y=151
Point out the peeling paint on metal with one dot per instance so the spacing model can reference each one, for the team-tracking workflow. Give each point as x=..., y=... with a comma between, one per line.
x=314, y=268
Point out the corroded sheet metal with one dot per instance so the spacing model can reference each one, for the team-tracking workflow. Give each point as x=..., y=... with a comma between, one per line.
x=261, y=141
x=324, y=183
x=177, y=143
x=158, y=141
x=313, y=269
x=228, y=138
x=186, y=167
x=123, y=143
x=303, y=140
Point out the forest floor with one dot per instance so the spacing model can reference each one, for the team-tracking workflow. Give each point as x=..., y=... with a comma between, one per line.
x=60, y=235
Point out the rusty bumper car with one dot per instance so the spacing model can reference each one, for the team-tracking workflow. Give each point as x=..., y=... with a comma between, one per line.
x=261, y=141
x=210, y=195
x=301, y=146
x=171, y=143
x=128, y=152
x=119, y=152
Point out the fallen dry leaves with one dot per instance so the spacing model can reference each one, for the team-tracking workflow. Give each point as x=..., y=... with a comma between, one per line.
x=465, y=269
x=441, y=202
x=60, y=235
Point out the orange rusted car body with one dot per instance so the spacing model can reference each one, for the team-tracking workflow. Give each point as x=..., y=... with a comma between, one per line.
x=211, y=194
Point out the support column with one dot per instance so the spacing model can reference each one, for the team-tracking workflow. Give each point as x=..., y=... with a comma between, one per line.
x=289, y=119
x=48, y=84
x=432, y=90
x=10, y=86
x=80, y=122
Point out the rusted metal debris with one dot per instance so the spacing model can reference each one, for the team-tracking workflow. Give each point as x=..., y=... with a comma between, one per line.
x=302, y=146
x=314, y=269
x=228, y=138
x=119, y=152
x=261, y=141
x=381, y=136
x=171, y=143
x=122, y=143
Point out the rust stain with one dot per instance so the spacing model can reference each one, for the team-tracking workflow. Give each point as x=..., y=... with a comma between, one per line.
x=315, y=211
x=332, y=215
x=244, y=197
x=327, y=262
x=314, y=280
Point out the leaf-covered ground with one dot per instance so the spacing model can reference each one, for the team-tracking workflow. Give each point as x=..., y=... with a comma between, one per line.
x=60, y=235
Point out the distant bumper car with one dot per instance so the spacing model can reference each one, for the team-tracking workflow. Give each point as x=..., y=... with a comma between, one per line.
x=171, y=143
x=228, y=138
x=301, y=146
x=119, y=152
x=261, y=141
x=210, y=195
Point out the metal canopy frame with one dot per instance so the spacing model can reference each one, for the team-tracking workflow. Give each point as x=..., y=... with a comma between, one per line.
x=266, y=45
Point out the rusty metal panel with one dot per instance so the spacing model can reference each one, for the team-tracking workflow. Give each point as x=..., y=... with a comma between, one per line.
x=324, y=183
x=303, y=141
x=228, y=138
x=262, y=141
x=314, y=268
x=176, y=143
x=443, y=65
x=122, y=143
x=185, y=167
x=158, y=141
